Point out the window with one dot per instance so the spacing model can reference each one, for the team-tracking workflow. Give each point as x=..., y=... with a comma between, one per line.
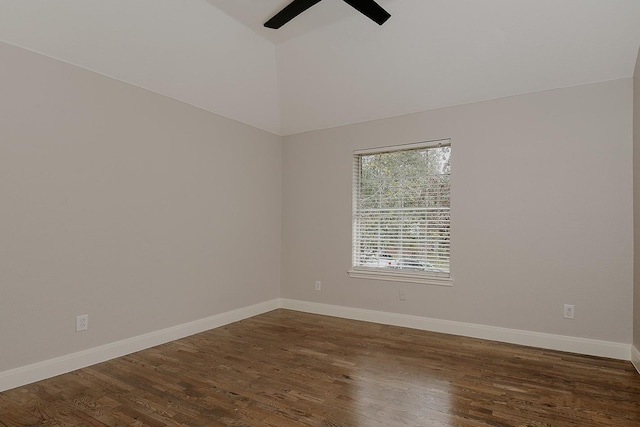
x=401, y=206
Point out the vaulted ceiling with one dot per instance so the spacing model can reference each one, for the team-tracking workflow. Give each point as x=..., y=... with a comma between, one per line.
x=331, y=65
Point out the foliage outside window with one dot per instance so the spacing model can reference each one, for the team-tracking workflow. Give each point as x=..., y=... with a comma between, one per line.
x=401, y=213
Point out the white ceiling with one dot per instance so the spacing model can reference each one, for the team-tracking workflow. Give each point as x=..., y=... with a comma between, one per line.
x=185, y=49
x=439, y=53
x=331, y=65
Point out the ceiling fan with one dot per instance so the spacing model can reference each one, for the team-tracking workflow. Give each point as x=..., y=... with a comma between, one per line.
x=367, y=7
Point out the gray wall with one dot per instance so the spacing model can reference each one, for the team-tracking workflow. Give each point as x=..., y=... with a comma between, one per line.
x=147, y=213
x=134, y=208
x=541, y=213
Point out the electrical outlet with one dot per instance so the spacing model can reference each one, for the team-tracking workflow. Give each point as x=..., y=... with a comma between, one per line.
x=402, y=294
x=318, y=285
x=569, y=311
x=82, y=322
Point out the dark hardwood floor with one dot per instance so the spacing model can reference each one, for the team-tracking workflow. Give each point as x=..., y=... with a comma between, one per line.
x=286, y=368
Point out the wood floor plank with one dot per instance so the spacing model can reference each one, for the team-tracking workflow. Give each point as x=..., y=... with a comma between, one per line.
x=286, y=368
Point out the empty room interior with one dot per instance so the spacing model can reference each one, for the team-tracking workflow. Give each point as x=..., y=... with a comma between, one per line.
x=423, y=213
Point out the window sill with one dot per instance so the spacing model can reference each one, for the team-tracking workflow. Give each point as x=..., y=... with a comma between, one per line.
x=397, y=276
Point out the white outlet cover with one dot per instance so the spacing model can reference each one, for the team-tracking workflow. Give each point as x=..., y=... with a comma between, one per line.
x=82, y=322
x=569, y=311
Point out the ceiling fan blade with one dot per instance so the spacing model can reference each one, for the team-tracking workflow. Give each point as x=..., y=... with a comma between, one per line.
x=371, y=9
x=293, y=9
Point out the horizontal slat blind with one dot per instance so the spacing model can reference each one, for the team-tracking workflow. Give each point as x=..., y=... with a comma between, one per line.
x=401, y=209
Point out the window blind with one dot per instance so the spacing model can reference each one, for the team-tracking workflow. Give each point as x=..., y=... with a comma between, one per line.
x=401, y=209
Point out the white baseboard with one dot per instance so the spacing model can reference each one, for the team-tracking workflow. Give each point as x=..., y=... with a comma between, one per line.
x=60, y=365
x=533, y=339
x=635, y=358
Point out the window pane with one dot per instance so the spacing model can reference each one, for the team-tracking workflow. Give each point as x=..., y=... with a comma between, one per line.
x=401, y=210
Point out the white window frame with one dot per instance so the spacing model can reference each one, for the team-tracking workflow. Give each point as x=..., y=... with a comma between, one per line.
x=361, y=272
